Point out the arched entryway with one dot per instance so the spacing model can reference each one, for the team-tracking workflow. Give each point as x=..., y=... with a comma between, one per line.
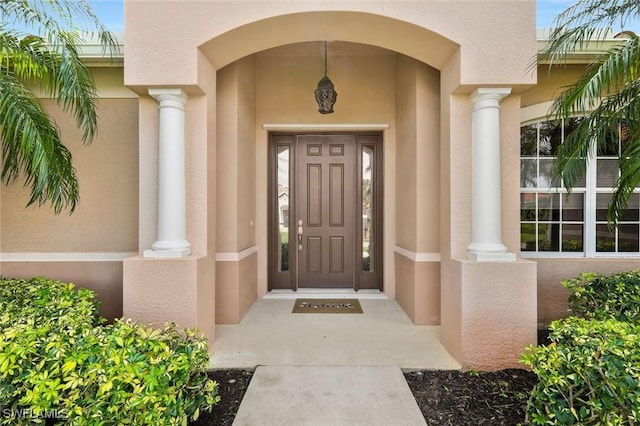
x=381, y=92
x=240, y=75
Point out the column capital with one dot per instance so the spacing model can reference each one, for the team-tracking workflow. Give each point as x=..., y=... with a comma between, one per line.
x=485, y=97
x=176, y=95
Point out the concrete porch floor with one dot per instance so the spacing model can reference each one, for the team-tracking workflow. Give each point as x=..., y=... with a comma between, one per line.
x=382, y=336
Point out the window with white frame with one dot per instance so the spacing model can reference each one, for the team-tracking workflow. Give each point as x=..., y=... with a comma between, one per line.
x=554, y=221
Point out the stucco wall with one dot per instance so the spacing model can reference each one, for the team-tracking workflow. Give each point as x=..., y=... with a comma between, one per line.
x=106, y=219
x=428, y=158
x=550, y=83
x=418, y=190
x=236, y=279
x=406, y=155
x=104, y=277
x=235, y=289
x=418, y=156
x=552, y=297
x=86, y=247
x=476, y=25
x=236, y=156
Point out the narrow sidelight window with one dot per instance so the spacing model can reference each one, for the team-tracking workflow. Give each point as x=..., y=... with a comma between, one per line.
x=368, y=209
x=282, y=169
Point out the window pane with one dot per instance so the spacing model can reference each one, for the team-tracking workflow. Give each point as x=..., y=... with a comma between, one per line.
x=607, y=173
x=528, y=237
x=546, y=179
x=581, y=181
x=572, y=238
x=628, y=238
x=550, y=137
x=611, y=147
x=548, y=236
x=631, y=214
x=602, y=204
x=605, y=239
x=572, y=207
x=528, y=173
x=549, y=207
x=529, y=140
x=528, y=207
x=283, y=206
x=367, y=210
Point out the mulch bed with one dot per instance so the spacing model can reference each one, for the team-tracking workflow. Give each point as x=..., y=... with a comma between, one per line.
x=232, y=385
x=444, y=397
x=472, y=398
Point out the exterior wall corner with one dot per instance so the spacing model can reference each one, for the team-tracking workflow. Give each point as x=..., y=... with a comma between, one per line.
x=178, y=290
x=491, y=317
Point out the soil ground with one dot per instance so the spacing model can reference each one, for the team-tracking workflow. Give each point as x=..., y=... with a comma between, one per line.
x=444, y=397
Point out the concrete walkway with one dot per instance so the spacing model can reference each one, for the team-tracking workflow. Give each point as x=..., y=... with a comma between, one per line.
x=329, y=369
x=382, y=336
x=328, y=396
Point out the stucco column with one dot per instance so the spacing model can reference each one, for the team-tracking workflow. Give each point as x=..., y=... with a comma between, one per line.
x=486, y=244
x=172, y=225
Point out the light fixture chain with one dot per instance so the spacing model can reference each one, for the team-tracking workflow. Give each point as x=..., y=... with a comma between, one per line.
x=325, y=58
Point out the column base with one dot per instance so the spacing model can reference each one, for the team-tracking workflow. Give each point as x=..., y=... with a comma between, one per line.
x=491, y=257
x=169, y=249
x=489, y=252
x=165, y=254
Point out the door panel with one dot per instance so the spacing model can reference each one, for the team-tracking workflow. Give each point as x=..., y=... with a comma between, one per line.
x=326, y=208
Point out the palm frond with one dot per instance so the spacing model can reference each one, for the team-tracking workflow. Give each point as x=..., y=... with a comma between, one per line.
x=59, y=71
x=584, y=22
x=604, y=98
x=68, y=80
x=620, y=65
x=31, y=146
x=48, y=18
x=74, y=87
x=40, y=46
x=597, y=127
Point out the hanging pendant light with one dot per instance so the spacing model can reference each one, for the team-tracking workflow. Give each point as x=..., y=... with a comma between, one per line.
x=325, y=93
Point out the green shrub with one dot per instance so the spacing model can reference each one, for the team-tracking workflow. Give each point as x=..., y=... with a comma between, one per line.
x=597, y=296
x=40, y=322
x=55, y=358
x=588, y=375
x=47, y=302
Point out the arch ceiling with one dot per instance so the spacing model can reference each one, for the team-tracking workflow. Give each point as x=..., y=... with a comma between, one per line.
x=356, y=27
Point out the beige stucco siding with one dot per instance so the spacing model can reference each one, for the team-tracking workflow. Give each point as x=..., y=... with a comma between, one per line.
x=553, y=297
x=286, y=78
x=86, y=247
x=236, y=150
x=460, y=23
x=103, y=277
x=106, y=219
x=418, y=157
x=551, y=82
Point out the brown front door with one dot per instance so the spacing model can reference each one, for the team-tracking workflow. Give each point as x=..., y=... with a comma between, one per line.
x=325, y=210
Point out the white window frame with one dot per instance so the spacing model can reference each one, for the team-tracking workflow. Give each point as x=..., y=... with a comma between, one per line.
x=538, y=113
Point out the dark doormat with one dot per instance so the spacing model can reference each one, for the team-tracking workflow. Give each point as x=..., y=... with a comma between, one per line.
x=327, y=306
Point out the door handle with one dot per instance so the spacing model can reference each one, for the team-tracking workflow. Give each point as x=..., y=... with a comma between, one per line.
x=300, y=231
